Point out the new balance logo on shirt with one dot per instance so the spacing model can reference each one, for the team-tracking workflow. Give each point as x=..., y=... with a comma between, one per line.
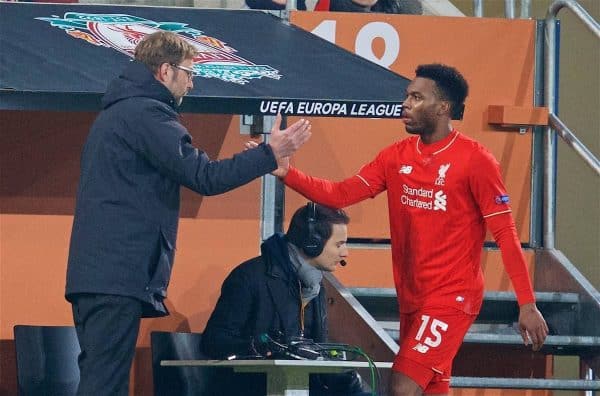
x=421, y=348
x=405, y=169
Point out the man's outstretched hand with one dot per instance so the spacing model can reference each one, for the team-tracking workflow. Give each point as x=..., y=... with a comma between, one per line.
x=285, y=142
x=532, y=326
x=283, y=164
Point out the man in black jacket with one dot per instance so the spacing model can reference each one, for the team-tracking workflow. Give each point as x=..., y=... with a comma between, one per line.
x=278, y=295
x=134, y=161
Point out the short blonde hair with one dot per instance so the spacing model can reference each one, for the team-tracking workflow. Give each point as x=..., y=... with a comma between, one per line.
x=163, y=47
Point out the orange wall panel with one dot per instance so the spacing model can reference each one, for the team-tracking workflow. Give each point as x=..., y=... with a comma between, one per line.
x=367, y=268
x=33, y=269
x=373, y=268
x=496, y=56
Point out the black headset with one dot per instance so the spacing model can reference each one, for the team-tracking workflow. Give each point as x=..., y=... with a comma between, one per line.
x=313, y=244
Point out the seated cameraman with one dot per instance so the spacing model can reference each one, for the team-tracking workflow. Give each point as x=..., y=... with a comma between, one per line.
x=279, y=296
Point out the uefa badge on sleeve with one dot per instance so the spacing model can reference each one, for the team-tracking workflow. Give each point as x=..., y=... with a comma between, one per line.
x=501, y=199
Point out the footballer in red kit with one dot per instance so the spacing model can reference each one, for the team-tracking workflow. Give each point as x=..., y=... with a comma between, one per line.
x=443, y=190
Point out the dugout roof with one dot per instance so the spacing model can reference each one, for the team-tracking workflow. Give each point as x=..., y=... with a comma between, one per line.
x=62, y=56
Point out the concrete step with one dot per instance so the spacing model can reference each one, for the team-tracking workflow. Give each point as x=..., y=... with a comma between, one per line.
x=499, y=335
x=559, y=309
x=523, y=383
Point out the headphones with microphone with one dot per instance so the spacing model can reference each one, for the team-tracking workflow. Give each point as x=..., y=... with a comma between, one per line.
x=313, y=244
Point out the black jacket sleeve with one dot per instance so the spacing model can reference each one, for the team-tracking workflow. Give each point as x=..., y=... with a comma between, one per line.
x=167, y=145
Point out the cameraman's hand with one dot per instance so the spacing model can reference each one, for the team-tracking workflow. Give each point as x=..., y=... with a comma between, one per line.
x=259, y=346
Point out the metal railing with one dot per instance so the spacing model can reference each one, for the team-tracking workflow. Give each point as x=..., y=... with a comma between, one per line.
x=523, y=383
x=569, y=137
x=550, y=93
x=509, y=8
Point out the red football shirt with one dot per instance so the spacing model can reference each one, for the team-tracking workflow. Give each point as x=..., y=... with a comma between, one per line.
x=440, y=197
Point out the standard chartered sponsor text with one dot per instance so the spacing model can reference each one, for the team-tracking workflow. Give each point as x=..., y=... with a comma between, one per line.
x=419, y=192
x=416, y=203
x=423, y=198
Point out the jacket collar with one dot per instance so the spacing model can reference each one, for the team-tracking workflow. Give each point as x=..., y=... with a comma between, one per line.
x=137, y=80
x=277, y=258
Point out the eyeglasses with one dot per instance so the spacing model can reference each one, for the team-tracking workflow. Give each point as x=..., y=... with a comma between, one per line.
x=189, y=72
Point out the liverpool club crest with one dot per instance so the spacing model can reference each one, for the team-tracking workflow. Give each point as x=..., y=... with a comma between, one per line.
x=122, y=33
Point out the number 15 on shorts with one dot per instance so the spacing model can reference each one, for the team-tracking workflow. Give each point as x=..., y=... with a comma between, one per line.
x=431, y=329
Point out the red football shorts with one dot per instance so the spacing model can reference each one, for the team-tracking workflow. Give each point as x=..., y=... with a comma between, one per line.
x=429, y=341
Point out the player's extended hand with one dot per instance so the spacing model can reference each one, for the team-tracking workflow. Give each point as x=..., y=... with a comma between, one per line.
x=250, y=144
x=285, y=142
x=283, y=166
x=532, y=326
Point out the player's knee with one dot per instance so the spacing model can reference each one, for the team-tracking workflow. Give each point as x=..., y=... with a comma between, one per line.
x=401, y=385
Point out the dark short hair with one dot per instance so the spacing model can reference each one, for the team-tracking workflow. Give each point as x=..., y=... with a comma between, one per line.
x=451, y=85
x=325, y=218
x=163, y=47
